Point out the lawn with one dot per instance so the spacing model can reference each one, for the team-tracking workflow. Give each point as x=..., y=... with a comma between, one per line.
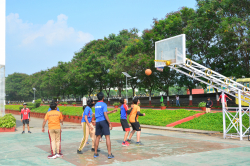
x=212, y=122
x=153, y=117
x=157, y=117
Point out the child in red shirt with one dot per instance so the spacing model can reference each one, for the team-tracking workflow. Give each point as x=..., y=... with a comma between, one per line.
x=225, y=100
x=25, y=117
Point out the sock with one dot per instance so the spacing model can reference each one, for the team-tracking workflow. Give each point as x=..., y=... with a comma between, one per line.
x=123, y=142
x=137, y=142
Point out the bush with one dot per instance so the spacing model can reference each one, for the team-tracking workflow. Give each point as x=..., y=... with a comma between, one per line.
x=55, y=99
x=202, y=104
x=7, y=121
x=116, y=104
x=162, y=104
x=38, y=103
x=74, y=103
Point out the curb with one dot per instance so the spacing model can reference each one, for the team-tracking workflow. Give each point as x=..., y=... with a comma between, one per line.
x=181, y=130
x=184, y=120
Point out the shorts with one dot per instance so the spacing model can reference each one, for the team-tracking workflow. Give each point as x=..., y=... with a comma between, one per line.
x=125, y=125
x=26, y=121
x=136, y=126
x=102, y=128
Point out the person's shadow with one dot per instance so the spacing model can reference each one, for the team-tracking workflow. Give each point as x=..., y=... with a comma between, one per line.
x=18, y=123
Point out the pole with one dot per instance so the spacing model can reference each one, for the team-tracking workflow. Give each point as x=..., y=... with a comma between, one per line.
x=240, y=117
x=126, y=90
x=224, y=117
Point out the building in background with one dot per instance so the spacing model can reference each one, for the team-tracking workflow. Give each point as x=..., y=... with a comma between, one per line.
x=195, y=91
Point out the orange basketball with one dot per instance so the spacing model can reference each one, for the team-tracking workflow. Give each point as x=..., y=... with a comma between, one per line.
x=148, y=72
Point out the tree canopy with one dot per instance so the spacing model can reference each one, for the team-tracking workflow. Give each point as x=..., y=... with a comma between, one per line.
x=217, y=34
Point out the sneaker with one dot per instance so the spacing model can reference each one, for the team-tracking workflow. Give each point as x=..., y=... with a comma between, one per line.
x=23, y=132
x=93, y=149
x=139, y=143
x=29, y=132
x=60, y=155
x=124, y=144
x=79, y=152
x=96, y=155
x=111, y=156
x=52, y=156
x=129, y=141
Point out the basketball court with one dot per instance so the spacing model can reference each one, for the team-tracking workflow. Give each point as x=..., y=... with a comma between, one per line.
x=160, y=148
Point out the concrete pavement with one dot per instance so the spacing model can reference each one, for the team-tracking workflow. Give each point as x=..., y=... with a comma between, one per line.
x=161, y=147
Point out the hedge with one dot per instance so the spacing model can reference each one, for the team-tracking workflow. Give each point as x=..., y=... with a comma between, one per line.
x=7, y=121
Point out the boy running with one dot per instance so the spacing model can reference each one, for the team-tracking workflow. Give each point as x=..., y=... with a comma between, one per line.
x=133, y=119
x=87, y=126
x=124, y=113
x=25, y=117
x=225, y=100
x=54, y=118
x=102, y=124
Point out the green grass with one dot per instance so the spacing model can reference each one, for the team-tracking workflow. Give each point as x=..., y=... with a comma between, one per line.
x=153, y=117
x=211, y=122
x=12, y=107
x=157, y=117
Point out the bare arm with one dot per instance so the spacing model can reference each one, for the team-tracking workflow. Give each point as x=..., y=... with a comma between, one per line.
x=107, y=118
x=111, y=111
x=44, y=123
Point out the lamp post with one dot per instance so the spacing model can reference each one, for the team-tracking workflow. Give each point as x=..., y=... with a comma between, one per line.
x=34, y=89
x=127, y=75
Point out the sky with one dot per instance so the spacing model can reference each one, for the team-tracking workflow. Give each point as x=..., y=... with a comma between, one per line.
x=41, y=33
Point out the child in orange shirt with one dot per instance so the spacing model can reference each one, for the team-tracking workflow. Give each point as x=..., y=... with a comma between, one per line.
x=54, y=118
x=133, y=119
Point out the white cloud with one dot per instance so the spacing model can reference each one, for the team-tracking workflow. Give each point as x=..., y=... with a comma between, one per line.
x=50, y=34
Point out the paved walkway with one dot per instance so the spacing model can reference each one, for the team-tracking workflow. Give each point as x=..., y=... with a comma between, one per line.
x=161, y=147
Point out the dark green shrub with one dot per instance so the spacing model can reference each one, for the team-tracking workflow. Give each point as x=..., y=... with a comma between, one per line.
x=38, y=103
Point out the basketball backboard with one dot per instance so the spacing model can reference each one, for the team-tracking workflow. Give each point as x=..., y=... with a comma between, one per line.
x=170, y=51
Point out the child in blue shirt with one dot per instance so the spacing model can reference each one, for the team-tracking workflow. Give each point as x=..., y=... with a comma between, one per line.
x=87, y=126
x=102, y=124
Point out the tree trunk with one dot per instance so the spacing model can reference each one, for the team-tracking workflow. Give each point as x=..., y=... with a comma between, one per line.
x=217, y=97
x=120, y=92
x=150, y=96
x=190, y=97
x=168, y=103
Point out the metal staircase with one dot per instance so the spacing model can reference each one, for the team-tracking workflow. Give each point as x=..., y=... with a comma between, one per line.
x=225, y=85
